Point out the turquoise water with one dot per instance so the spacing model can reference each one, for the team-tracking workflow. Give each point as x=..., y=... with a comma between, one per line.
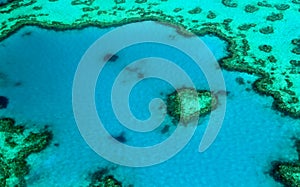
x=44, y=63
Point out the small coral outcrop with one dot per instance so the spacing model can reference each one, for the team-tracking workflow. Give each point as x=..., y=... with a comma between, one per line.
x=187, y=104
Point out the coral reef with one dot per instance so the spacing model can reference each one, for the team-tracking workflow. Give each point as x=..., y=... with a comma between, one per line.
x=177, y=10
x=196, y=10
x=211, y=15
x=17, y=144
x=266, y=30
x=275, y=17
x=251, y=8
x=287, y=173
x=3, y=102
x=265, y=48
x=229, y=3
x=296, y=43
x=282, y=6
x=241, y=30
x=245, y=27
x=102, y=178
x=264, y=4
x=186, y=104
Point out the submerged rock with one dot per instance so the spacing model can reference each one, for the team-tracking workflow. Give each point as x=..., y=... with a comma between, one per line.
x=3, y=102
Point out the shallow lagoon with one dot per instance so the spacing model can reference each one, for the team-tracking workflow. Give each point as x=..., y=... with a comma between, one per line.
x=44, y=63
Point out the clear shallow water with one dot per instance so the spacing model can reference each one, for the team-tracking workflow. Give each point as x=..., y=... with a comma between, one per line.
x=45, y=63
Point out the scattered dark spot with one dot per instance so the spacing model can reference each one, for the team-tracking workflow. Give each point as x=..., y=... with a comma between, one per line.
x=28, y=33
x=248, y=89
x=17, y=84
x=110, y=57
x=240, y=80
x=56, y=144
x=119, y=1
x=37, y=8
x=165, y=129
x=221, y=92
x=172, y=37
x=140, y=1
x=3, y=102
x=177, y=10
x=140, y=75
x=272, y=59
x=121, y=137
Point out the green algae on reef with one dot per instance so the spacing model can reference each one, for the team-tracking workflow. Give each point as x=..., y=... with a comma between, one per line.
x=185, y=104
x=16, y=145
x=244, y=32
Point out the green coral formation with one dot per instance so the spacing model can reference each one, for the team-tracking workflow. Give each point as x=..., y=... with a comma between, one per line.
x=264, y=4
x=16, y=145
x=244, y=32
x=287, y=173
x=229, y=3
x=296, y=49
x=251, y=8
x=101, y=178
x=265, y=48
x=211, y=15
x=275, y=17
x=282, y=6
x=266, y=30
x=187, y=104
x=196, y=10
x=246, y=27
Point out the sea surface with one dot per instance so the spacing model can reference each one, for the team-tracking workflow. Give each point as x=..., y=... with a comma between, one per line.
x=38, y=68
